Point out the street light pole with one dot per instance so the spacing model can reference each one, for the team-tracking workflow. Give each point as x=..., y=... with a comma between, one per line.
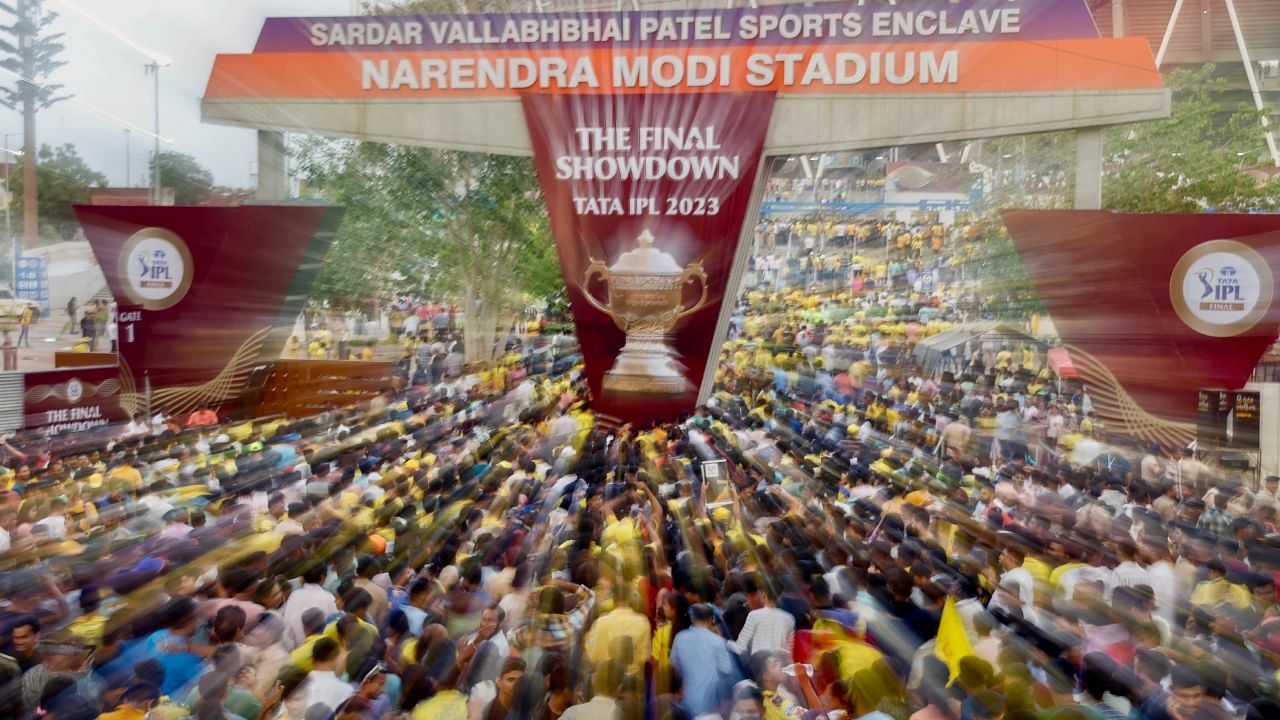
x=8, y=228
x=154, y=69
x=127, y=169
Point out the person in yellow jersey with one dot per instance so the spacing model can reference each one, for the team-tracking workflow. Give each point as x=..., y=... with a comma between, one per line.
x=1004, y=358
x=124, y=471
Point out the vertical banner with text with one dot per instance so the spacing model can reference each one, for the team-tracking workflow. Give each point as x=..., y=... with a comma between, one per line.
x=647, y=196
x=33, y=281
x=1151, y=305
x=204, y=293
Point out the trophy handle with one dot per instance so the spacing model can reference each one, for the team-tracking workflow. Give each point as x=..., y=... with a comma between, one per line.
x=690, y=273
x=595, y=268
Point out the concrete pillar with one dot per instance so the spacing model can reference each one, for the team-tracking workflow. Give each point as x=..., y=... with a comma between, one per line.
x=273, y=177
x=1088, y=169
x=1118, y=20
x=1206, y=26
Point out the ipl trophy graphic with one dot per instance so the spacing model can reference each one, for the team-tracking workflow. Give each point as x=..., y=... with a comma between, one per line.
x=645, y=289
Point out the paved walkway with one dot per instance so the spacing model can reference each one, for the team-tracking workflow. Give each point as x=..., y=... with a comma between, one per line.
x=46, y=338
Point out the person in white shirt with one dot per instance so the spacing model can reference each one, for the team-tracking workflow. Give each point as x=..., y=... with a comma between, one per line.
x=55, y=524
x=1093, y=573
x=1165, y=583
x=1015, y=579
x=988, y=644
x=138, y=426
x=310, y=595
x=1127, y=573
x=1189, y=468
x=292, y=524
x=323, y=686
x=766, y=628
x=1056, y=425
x=1269, y=495
x=602, y=705
x=1152, y=469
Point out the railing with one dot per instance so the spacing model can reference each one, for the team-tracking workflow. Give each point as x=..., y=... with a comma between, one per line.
x=1266, y=371
x=297, y=388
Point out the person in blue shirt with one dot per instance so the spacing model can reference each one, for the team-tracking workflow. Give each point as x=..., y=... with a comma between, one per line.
x=172, y=646
x=704, y=662
x=780, y=380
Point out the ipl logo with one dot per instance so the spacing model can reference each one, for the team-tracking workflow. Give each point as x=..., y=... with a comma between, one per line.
x=1221, y=288
x=1222, y=292
x=156, y=268
x=155, y=274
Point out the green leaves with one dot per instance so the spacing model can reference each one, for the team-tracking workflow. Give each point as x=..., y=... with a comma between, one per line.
x=63, y=179
x=1192, y=161
x=32, y=52
x=466, y=227
x=191, y=181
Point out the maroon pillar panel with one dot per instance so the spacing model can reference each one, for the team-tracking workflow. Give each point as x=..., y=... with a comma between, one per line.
x=647, y=195
x=200, y=288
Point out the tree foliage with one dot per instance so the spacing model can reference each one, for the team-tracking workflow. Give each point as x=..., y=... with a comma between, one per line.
x=64, y=179
x=191, y=181
x=457, y=226
x=30, y=50
x=1024, y=171
x=1191, y=161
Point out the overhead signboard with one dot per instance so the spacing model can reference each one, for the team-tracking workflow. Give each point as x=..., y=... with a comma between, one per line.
x=648, y=128
x=1245, y=408
x=1212, y=408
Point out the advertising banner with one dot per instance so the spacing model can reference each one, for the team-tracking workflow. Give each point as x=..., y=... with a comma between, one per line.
x=1212, y=409
x=73, y=400
x=929, y=46
x=199, y=291
x=647, y=195
x=939, y=20
x=1151, y=305
x=647, y=128
x=1245, y=407
x=33, y=281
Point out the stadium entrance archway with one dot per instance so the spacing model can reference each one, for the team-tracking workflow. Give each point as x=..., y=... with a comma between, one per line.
x=578, y=91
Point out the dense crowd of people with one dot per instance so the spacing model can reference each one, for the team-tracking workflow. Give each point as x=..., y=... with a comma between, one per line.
x=836, y=534
x=448, y=554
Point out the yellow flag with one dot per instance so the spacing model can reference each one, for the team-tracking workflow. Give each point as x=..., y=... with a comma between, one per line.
x=952, y=642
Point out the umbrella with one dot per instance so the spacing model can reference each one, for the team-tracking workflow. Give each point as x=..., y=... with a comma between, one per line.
x=1060, y=363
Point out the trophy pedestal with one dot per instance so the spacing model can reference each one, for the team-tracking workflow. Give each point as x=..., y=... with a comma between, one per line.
x=646, y=366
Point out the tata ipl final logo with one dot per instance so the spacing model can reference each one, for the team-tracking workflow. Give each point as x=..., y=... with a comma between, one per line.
x=155, y=266
x=1221, y=288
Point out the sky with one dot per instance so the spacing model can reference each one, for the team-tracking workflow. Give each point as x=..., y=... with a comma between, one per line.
x=106, y=72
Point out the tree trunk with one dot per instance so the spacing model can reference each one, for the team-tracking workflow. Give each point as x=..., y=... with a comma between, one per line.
x=488, y=327
x=482, y=338
x=470, y=323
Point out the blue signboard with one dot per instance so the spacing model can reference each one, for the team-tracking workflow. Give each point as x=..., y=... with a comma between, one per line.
x=33, y=281
x=927, y=280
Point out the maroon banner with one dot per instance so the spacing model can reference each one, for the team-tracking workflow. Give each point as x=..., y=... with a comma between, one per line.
x=1155, y=307
x=647, y=196
x=72, y=400
x=200, y=291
